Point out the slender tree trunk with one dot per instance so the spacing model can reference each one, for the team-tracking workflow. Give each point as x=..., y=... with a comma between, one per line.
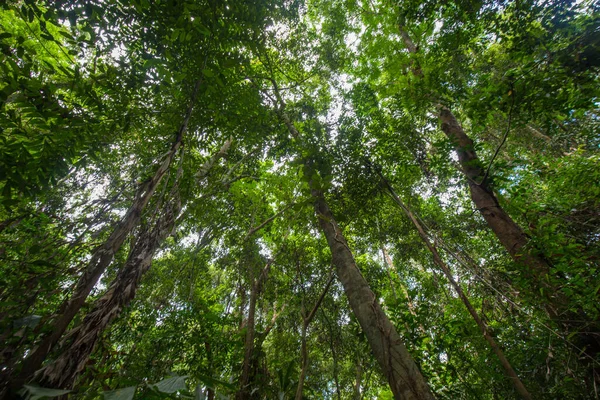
x=210, y=393
x=257, y=285
x=333, y=356
x=306, y=320
x=303, y=363
x=244, y=393
x=508, y=369
x=398, y=366
x=358, y=379
x=388, y=269
x=102, y=257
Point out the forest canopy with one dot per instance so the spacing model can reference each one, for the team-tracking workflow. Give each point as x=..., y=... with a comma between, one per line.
x=287, y=199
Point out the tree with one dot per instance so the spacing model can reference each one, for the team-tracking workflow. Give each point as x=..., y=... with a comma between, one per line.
x=195, y=199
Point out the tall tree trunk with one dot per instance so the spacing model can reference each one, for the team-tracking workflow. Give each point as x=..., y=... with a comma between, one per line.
x=403, y=375
x=81, y=341
x=255, y=291
x=101, y=258
x=508, y=369
x=306, y=320
x=401, y=371
x=510, y=235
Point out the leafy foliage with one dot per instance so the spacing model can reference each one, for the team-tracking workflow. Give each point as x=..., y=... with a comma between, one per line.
x=294, y=96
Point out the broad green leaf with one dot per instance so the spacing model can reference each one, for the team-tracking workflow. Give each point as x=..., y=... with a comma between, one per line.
x=171, y=385
x=36, y=392
x=120, y=394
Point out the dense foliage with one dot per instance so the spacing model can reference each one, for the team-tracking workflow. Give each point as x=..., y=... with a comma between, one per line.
x=211, y=199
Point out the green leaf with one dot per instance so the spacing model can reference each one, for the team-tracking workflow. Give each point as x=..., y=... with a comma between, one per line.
x=47, y=36
x=151, y=63
x=120, y=394
x=214, y=383
x=36, y=392
x=67, y=35
x=171, y=385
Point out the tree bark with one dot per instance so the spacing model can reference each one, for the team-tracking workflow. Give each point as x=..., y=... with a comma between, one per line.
x=101, y=258
x=257, y=285
x=510, y=235
x=63, y=372
x=402, y=373
x=508, y=369
x=81, y=341
x=508, y=232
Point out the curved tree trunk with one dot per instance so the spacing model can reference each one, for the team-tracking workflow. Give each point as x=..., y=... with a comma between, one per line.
x=402, y=373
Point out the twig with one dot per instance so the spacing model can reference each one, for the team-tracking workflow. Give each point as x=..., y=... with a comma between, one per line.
x=264, y=223
x=510, y=111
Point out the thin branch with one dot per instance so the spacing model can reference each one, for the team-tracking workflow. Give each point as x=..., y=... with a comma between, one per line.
x=487, y=172
x=514, y=378
x=252, y=231
x=237, y=164
x=310, y=316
